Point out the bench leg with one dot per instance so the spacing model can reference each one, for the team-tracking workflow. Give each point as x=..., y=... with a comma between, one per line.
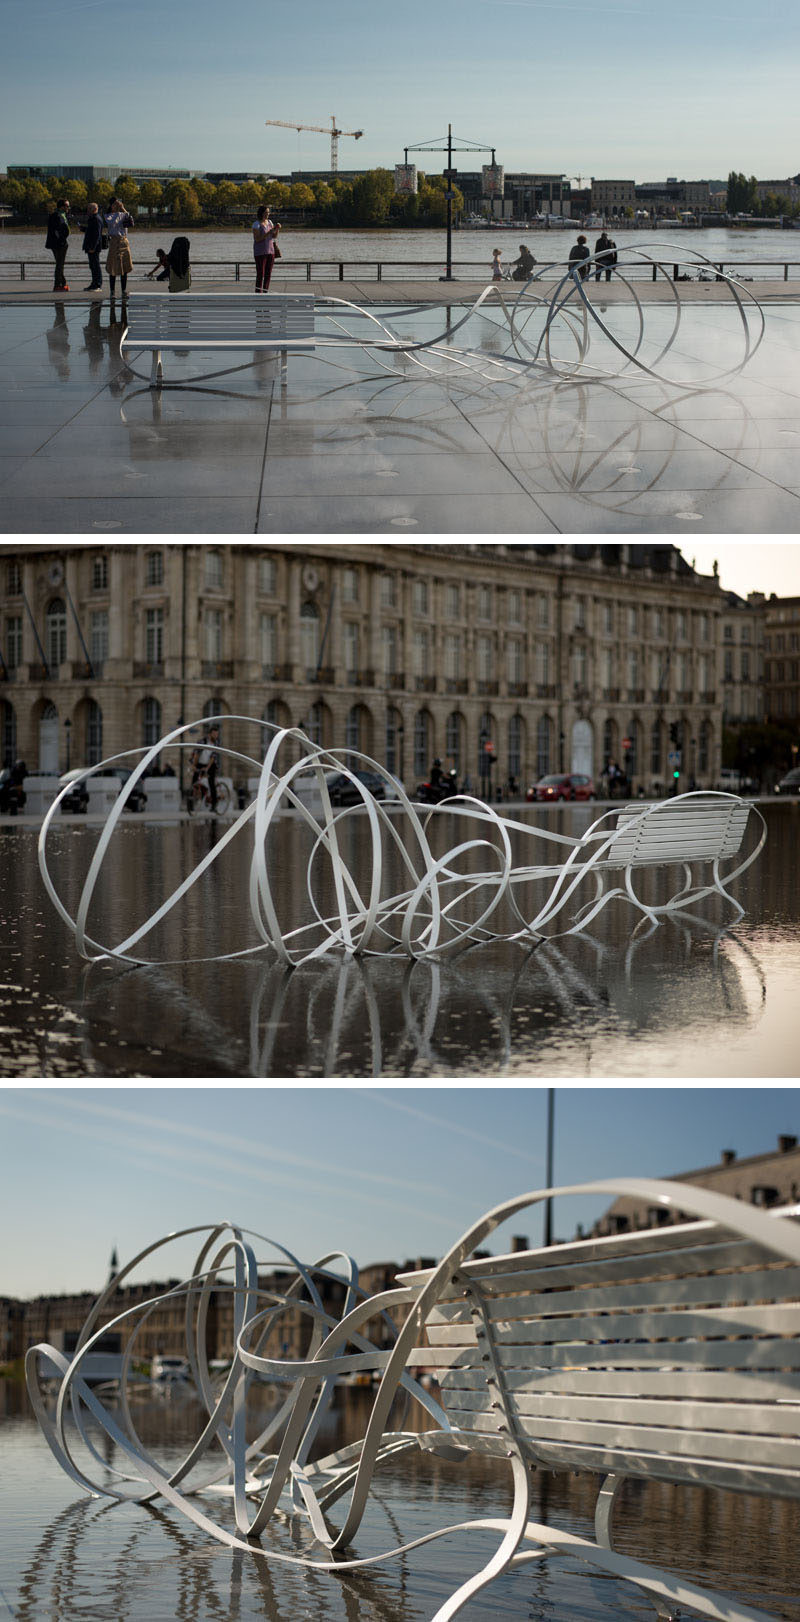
x=603, y=1519
x=503, y=1556
x=156, y=370
x=284, y=368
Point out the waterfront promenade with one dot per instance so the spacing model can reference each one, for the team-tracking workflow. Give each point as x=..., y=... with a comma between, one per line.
x=364, y=442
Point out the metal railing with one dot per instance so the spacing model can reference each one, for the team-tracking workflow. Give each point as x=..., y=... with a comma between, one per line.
x=342, y=270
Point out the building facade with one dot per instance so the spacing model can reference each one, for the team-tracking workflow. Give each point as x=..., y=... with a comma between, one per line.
x=782, y=660
x=561, y=656
x=613, y=197
x=741, y=667
x=765, y=1180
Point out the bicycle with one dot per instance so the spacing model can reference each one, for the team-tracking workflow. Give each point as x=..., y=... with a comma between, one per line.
x=199, y=796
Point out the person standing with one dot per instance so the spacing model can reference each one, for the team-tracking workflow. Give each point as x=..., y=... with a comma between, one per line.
x=92, y=242
x=579, y=257
x=497, y=268
x=57, y=240
x=606, y=256
x=204, y=762
x=264, y=247
x=119, y=262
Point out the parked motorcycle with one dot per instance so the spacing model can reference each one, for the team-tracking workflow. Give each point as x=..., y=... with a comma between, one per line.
x=433, y=793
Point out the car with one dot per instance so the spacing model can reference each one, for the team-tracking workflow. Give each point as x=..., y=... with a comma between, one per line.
x=77, y=799
x=562, y=786
x=790, y=784
x=343, y=790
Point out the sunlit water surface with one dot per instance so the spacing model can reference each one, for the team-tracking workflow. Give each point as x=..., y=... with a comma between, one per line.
x=687, y=998
x=67, y=1558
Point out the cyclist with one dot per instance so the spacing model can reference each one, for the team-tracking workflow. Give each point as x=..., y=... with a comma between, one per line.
x=204, y=761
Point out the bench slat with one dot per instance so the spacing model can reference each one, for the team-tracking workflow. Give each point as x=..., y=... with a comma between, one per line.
x=716, y=1290
x=742, y=1386
x=774, y=1356
x=728, y=1448
x=778, y=1319
x=742, y=1420
x=703, y=1259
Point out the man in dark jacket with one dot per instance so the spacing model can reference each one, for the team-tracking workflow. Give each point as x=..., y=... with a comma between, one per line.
x=579, y=253
x=605, y=256
x=92, y=242
x=57, y=241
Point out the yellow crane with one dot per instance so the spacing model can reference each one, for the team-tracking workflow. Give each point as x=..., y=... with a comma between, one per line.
x=320, y=129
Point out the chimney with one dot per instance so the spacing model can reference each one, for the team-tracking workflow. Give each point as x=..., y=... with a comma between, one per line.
x=728, y=1157
x=786, y=1142
x=519, y=1241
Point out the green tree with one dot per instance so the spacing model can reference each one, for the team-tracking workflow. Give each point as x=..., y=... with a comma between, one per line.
x=324, y=195
x=151, y=195
x=276, y=194
x=102, y=193
x=38, y=200
x=227, y=198
x=205, y=191
x=12, y=192
x=301, y=196
x=128, y=192
x=78, y=193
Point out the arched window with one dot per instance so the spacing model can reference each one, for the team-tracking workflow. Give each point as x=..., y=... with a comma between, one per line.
x=704, y=748
x=151, y=722
x=314, y=727
x=56, y=633
x=544, y=745
x=609, y=743
x=655, y=749
x=352, y=737
x=94, y=734
x=632, y=752
x=309, y=639
x=392, y=750
x=8, y=739
x=453, y=742
x=422, y=743
x=515, y=746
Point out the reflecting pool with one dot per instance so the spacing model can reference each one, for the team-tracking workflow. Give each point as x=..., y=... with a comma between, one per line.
x=67, y=1558
x=696, y=996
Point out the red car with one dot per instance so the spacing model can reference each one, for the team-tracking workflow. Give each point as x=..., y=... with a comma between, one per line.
x=562, y=786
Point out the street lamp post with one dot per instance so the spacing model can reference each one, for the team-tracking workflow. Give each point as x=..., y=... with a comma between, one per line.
x=449, y=175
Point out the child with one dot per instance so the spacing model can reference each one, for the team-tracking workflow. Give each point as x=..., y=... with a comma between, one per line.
x=497, y=269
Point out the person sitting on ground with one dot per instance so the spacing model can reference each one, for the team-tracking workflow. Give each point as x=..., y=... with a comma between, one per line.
x=523, y=266
x=161, y=268
x=579, y=257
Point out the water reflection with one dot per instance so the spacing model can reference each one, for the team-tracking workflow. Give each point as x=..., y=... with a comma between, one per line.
x=84, y=1562
x=689, y=997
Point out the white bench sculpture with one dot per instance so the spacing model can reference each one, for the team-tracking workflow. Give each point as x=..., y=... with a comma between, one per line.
x=671, y=1354
x=274, y=321
x=482, y=886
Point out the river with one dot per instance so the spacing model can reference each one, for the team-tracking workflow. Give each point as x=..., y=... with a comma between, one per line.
x=749, y=248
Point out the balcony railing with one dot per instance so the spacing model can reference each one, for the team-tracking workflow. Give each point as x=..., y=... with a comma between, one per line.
x=322, y=675
x=8, y=673
x=456, y=684
x=394, y=679
x=611, y=695
x=635, y=695
x=685, y=697
x=276, y=672
x=42, y=673
x=518, y=689
x=425, y=684
x=545, y=689
x=217, y=669
x=488, y=689
x=147, y=669
x=708, y=698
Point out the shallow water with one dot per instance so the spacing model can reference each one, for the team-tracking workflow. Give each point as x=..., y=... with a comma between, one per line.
x=67, y=1558
x=689, y=998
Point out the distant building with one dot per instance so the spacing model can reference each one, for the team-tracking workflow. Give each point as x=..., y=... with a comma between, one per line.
x=92, y=172
x=742, y=658
x=782, y=660
x=674, y=197
x=613, y=197
x=764, y=1180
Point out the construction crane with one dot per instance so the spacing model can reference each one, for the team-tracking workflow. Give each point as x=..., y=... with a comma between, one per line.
x=320, y=129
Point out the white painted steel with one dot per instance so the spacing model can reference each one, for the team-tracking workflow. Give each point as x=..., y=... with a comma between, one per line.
x=731, y=1240
x=449, y=900
x=529, y=320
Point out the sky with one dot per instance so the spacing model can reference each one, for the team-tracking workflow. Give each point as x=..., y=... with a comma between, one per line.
x=386, y=1174
x=629, y=89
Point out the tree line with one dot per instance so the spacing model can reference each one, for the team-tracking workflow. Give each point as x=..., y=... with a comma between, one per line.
x=369, y=200
x=743, y=198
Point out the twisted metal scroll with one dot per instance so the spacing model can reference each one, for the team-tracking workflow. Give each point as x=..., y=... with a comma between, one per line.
x=261, y=1483
x=448, y=902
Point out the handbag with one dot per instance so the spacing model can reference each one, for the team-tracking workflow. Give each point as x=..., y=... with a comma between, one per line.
x=278, y=254
x=103, y=239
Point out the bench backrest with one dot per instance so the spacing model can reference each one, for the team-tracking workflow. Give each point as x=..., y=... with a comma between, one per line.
x=219, y=317
x=672, y=1353
x=687, y=829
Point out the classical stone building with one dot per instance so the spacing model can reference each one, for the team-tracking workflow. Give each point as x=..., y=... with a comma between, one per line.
x=559, y=656
x=741, y=670
x=765, y=1180
x=782, y=660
